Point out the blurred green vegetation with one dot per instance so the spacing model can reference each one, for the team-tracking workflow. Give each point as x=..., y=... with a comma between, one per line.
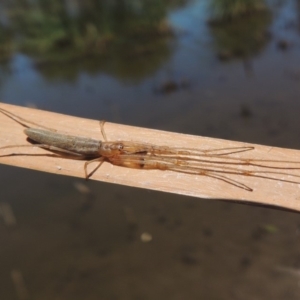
x=240, y=27
x=88, y=27
x=126, y=38
x=6, y=44
x=62, y=32
x=243, y=37
x=224, y=10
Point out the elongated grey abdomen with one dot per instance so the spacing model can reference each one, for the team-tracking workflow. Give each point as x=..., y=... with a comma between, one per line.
x=80, y=145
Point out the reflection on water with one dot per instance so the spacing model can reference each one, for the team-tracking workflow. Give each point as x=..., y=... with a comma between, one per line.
x=226, y=10
x=243, y=37
x=96, y=33
x=154, y=64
